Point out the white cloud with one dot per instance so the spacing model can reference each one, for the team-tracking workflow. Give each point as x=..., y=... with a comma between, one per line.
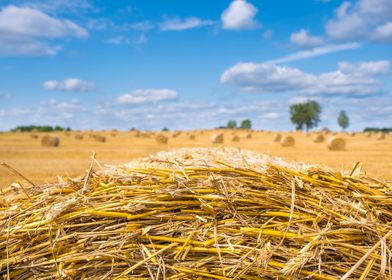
x=69, y=85
x=142, y=25
x=303, y=39
x=383, y=32
x=23, y=29
x=349, y=79
x=316, y=52
x=141, y=40
x=366, y=19
x=178, y=24
x=240, y=15
x=140, y=96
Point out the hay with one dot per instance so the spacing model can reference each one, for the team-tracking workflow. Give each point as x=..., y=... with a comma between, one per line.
x=380, y=136
x=218, y=138
x=368, y=134
x=200, y=214
x=277, y=138
x=161, y=139
x=33, y=136
x=50, y=141
x=319, y=138
x=78, y=136
x=248, y=136
x=336, y=143
x=287, y=141
x=192, y=137
x=235, y=138
x=99, y=138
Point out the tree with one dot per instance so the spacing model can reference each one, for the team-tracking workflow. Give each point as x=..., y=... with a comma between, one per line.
x=305, y=115
x=343, y=120
x=246, y=124
x=165, y=129
x=232, y=124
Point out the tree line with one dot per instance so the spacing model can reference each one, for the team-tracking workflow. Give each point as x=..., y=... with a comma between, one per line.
x=39, y=128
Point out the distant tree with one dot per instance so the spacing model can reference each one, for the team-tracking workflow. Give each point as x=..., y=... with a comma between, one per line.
x=232, y=124
x=246, y=124
x=305, y=115
x=343, y=120
x=165, y=129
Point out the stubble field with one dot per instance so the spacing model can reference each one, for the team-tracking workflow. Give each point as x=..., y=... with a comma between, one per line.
x=72, y=158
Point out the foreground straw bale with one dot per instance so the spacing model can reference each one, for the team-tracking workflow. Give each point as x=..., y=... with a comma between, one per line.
x=200, y=214
x=50, y=141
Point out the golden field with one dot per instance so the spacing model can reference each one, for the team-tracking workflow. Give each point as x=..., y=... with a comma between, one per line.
x=72, y=158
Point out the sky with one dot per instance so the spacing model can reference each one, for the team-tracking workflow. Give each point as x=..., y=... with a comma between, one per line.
x=149, y=64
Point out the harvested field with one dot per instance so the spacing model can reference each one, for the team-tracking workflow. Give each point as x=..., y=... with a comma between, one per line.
x=207, y=213
x=71, y=158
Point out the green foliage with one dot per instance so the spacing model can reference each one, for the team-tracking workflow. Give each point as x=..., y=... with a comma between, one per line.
x=165, y=129
x=343, y=120
x=305, y=115
x=377, y=129
x=39, y=128
x=232, y=124
x=246, y=124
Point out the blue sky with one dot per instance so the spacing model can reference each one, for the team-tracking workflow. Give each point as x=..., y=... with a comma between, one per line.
x=193, y=64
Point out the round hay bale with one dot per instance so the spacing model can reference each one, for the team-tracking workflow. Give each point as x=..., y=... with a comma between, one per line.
x=67, y=133
x=218, y=138
x=336, y=143
x=79, y=137
x=113, y=134
x=318, y=138
x=249, y=136
x=50, y=141
x=368, y=134
x=235, y=138
x=287, y=141
x=33, y=136
x=161, y=139
x=380, y=136
x=277, y=137
x=99, y=138
x=192, y=137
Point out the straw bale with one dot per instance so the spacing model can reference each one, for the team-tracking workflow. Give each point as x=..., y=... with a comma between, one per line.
x=99, y=138
x=50, y=141
x=218, y=138
x=249, y=136
x=33, y=136
x=192, y=137
x=78, y=136
x=161, y=139
x=277, y=137
x=199, y=214
x=336, y=143
x=287, y=141
x=235, y=138
x=319, y=138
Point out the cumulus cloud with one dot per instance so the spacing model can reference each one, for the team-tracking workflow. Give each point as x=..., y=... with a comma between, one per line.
x=23, y=29
x=366, y=19
x=178, y=24
x=140, y=96
x=303, y=39
x=349, y=79
x=70, y=85
x=240, y=15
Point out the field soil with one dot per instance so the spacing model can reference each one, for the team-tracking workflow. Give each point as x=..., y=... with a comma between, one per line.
x=72, y=158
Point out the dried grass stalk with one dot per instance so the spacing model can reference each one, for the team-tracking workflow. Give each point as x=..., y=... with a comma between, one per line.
x=200, y=214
